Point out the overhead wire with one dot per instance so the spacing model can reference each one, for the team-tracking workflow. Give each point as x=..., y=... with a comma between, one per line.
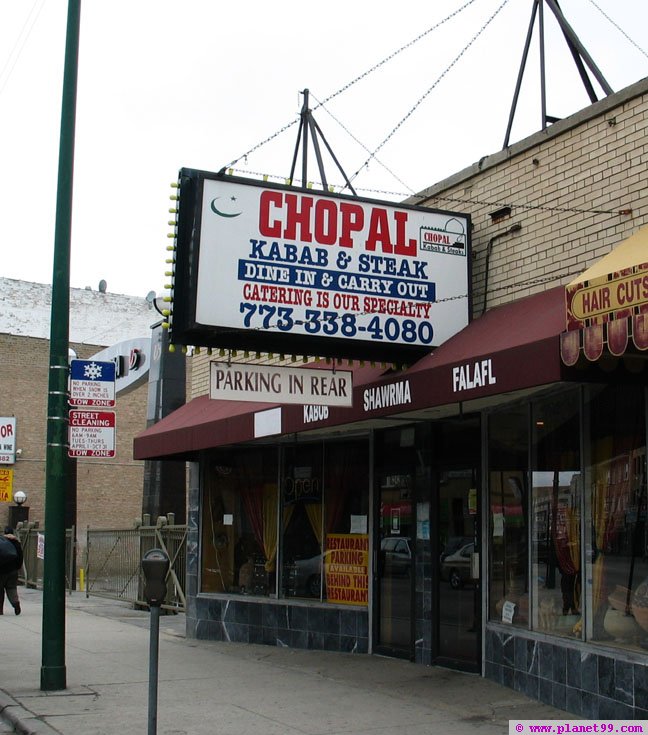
x=354, y=81
x=397, y=52
x=618, y=27
x=372, y=156
x=361, y=144
x=538, y=207
x=483, y=203
x=431, y=88
x=427, y=198
x=19, y=45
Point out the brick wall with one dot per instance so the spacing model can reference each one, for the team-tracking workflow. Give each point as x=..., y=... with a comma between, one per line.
x=109, y=491
x=566, y=187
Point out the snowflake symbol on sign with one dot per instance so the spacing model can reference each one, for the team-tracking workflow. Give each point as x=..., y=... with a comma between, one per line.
x=92, y=371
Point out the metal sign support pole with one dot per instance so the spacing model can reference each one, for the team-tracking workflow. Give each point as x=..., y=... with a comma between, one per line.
x=53, y=673
x=154, y=642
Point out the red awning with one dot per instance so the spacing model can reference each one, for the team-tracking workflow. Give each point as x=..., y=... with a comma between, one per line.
x=203, y=423
x=509, y=348
x=515, y=326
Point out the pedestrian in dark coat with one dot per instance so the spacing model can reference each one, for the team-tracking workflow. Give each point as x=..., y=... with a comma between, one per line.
x=11, y=560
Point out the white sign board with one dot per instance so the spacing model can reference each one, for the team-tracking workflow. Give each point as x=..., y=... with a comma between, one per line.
x=320, y=266
x=242, y=382
x=92, y=433
x=132, y=358
x=7, y=439
x=92, y=383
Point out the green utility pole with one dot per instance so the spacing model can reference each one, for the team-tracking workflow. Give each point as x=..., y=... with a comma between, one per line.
x=53, y=649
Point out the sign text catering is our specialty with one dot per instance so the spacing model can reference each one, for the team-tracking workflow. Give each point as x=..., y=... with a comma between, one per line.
x=380, y=284
x=320, y=265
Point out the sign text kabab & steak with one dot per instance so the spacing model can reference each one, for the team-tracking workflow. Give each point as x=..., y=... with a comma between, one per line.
x=293, y=262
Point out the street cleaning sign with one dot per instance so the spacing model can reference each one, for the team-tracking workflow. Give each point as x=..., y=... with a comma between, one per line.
x=92, y=383
x=92, y=433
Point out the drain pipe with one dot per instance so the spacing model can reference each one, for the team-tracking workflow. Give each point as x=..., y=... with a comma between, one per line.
x=516, y=227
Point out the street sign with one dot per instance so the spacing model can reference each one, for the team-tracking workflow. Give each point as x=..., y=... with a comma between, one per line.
x=7, y=439
x=92, y=433
x=92, y=383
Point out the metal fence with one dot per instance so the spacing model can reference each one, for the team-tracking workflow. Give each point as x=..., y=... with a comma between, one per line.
x=113, y=561
x=113, y=565
x=33, y=541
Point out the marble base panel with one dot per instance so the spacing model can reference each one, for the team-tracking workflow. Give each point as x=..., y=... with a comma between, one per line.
x=278, y=624
x=582, y=681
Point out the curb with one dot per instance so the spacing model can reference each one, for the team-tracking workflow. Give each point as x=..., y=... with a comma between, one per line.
x=23, y=721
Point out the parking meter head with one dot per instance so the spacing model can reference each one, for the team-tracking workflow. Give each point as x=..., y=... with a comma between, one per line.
x=155, y=565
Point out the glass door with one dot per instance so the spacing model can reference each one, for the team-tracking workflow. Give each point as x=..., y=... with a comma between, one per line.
x=459, y=619
x=394, y=544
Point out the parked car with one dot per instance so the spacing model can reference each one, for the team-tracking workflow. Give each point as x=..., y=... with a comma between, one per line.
x=303, y=577
x=455, y=568
x=453, y=544
x=396, y=555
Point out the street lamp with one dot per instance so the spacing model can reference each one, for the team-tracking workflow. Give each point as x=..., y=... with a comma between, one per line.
x=16, y=512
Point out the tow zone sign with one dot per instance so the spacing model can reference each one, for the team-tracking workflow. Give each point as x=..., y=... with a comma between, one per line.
x=92, y=383
x=92, y=433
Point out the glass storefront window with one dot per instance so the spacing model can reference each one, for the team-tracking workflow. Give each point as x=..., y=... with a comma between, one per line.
x=303, y=529
x=587, y=506
x=239, y=523
x=556, y=513
x=325, y=542
x=346, y=513
x=617, y=559
x=322, y=541
x=508, y=456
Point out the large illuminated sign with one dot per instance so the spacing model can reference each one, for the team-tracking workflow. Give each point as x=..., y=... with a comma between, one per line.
x=281, y=269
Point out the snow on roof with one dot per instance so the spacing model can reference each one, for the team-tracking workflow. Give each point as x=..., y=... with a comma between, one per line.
x=96, y=318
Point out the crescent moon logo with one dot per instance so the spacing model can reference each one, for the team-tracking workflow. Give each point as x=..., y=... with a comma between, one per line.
x=217, y=211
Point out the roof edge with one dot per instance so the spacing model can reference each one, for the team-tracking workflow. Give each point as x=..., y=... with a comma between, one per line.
x=590, y=112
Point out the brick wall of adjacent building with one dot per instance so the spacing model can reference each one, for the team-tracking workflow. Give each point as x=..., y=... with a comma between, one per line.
x=577, y=190
x=109, y=491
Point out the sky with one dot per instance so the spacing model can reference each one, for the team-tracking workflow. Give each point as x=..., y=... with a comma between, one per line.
x=203, y=84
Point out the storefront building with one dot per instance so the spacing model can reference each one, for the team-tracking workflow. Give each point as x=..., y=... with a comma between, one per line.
x=484, y=508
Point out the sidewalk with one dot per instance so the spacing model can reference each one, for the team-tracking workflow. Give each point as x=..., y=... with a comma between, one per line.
x=209, y=688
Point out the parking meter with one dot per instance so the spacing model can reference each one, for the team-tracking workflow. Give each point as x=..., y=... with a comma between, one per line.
x=155, y=565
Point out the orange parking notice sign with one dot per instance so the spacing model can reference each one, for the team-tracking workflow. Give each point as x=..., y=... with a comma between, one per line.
x=347, y=568
x=6, y=485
